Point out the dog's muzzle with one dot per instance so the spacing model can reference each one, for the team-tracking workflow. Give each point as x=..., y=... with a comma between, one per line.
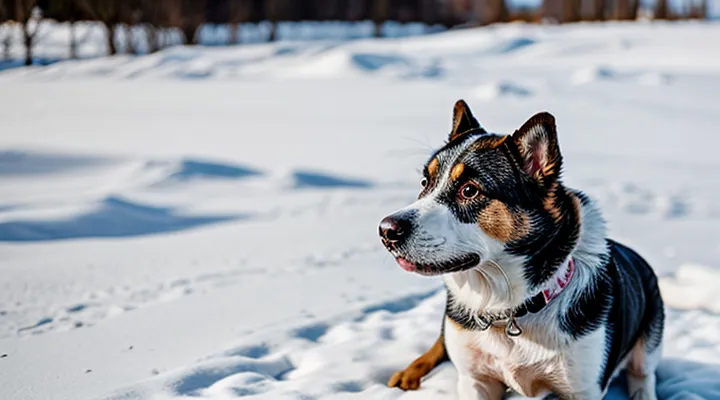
x=394, y=231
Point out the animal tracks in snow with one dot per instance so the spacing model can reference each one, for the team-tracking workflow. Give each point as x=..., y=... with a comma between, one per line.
x=100, y=305
x=631, y=198
x=607, y=74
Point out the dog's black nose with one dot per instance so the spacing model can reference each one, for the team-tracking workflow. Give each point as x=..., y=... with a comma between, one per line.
x=394, y=229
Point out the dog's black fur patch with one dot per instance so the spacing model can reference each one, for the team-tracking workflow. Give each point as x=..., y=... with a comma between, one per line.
x=636, y=308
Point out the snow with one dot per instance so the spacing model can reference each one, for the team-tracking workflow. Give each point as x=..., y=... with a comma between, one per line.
x=202, y=222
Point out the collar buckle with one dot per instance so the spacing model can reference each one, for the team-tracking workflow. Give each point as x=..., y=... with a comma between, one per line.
x=532, y=305
x=512, y=329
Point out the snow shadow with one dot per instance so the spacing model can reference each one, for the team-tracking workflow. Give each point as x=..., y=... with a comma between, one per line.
x=312, y=332
x=512, y=45
x=198, y=169
x=192, y=169
x=205, y=375
x=314, y=179
x=677, y=380
x=495, y=90
x=112, y=217
x=374, y=62
x=401, y=304
x=408, y=68
x=18, y=63
x=18, y=162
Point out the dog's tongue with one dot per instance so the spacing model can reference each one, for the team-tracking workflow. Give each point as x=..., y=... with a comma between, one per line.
x=406, y=265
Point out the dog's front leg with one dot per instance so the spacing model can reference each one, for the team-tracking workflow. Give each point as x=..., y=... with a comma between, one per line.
x=484, y=389
x=409, y=378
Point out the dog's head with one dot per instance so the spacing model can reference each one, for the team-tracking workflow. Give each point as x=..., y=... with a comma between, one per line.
x=488, y=197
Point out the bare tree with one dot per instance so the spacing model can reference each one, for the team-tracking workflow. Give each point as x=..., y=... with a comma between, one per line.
x=661, y=10
x=552, y=10
x=703, y=9
x=152, y=19
x=358, y=10
x=6, y=29
x=187, y=15
x=156, y=17
x=281, y=10
x=634, y=9
x=430, y=12
x=67, y=11
x=152, y=38
x=193, y=16
x=129, y=42
x=502, y=14
x=73, y=36
x=490, y=11
x=599, y=10
x=571, y=11
x=698, y=9
x=624, y=9
x=108, y=13
x=24, y=12
x=241, y=11
x=130, y=16
x=379, y=14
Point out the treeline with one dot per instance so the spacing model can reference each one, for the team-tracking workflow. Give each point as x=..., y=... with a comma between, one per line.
x=157, y=17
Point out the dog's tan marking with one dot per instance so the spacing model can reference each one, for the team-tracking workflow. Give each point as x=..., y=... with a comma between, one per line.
x=456, y=325
x=522, y=225
x=488, y=142
x=548, y=169
x=502, y=224
x=456, y=171
x=497, y=221
x=409, y=378
x=550, y=204
x=433, y=167
x=636, y=361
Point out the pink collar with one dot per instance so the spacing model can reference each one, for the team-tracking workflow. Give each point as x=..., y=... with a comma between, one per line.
x=560, y=280
x=553, y=288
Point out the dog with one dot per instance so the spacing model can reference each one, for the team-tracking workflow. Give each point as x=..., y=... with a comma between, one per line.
x=540, y=303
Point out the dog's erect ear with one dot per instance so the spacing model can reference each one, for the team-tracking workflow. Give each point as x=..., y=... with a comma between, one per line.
x=463, y=120
x=537, y=144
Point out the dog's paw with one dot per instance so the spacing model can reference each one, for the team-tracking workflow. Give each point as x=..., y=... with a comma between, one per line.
x=407, y=379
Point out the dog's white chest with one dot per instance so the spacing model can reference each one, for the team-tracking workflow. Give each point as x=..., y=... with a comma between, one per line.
x=527, y=367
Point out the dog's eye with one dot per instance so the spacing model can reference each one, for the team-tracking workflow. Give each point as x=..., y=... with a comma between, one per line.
x=469, y=191
x=424, y=182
